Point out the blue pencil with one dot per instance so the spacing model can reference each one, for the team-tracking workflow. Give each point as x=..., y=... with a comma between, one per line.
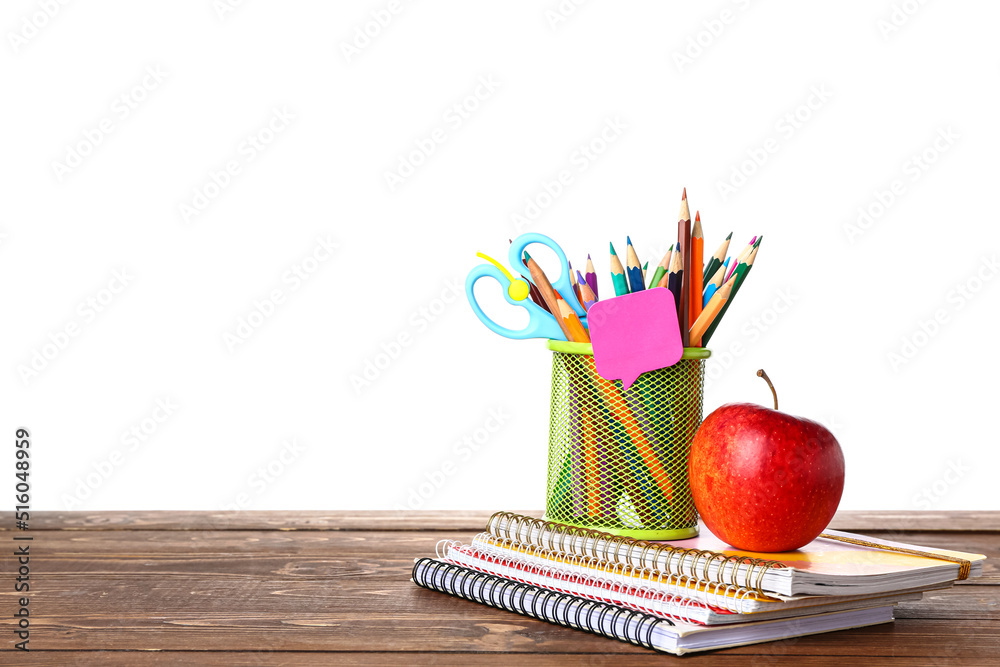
x=715, y=283
x=633, y=269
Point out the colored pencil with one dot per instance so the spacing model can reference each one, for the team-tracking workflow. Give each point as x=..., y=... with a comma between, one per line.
x=632, y=268
x=572, y=281
x=536, y=296
x=740, y=257
x=571, y=321
x=715, y=283
x=674, y=279
x=715, y=261
x=618, y=274
x=591, y=275
x=697, y=266
x=588, y=298
x=661, y=268
x=644, y=267
x=545, y=289
x=684, y=247
x=740, y=276
x=711, y=312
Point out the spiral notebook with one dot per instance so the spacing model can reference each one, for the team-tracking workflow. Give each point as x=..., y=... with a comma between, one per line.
x=836, y=563
x=645, y=590
x=629, y=625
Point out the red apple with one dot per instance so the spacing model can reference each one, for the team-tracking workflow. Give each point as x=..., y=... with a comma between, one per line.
x=763, y=480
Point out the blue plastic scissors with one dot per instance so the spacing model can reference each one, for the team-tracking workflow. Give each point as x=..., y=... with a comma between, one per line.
x=541, y=323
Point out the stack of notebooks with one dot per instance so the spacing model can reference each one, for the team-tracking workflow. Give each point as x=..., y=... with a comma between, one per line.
x=686, y=595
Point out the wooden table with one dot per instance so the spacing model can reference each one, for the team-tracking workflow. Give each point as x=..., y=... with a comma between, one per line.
x=324, y=588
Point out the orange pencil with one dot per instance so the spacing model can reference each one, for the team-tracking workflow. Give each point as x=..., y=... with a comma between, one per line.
x=571, y=321
x=710, y=312
x=548, y=294
x=697, y=268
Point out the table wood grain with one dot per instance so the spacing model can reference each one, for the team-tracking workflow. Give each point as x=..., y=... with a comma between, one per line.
x=324, y=588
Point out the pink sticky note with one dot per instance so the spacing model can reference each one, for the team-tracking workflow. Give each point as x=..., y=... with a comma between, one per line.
x=635, y=333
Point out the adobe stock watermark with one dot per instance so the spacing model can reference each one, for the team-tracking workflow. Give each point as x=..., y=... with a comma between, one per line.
x=122, y=106
x=292, y=279
x=753, y=329
x=223, y=8
x=87, y=311
x=462, y=451
x=419, y=321
x=786, y=127
x=957, y=298
x=131, y=440
x=912, y=170
x=580, y=160
x=562, y=11
x=899, y=15
x=365, y=33
x=32, y=24
x=454, y=117
x=933, y=493
x=265, y=475
x=711, y=30
x=247, y=151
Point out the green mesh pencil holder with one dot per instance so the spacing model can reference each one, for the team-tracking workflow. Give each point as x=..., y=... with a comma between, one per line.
x=618, y=459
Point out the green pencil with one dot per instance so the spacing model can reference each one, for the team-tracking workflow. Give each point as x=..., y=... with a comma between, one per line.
x=716, y=260
x=740, y=276
x=661, y=269
x=618, y=274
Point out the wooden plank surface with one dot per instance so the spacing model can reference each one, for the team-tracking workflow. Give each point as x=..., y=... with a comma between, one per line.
x=157, y=592
x=473, y=521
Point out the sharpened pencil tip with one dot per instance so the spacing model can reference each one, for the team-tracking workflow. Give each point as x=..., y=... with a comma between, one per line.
x=526, y=256
x=728, y=238
x=558, y=296
x=588, y=255
x=612, y=248
x=697, y=216
x=684, y=195
x=628, y=240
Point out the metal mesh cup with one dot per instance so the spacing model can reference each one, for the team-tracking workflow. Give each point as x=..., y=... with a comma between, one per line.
x=618, y=459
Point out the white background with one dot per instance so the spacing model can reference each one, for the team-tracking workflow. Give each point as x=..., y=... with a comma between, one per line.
x=893, y=81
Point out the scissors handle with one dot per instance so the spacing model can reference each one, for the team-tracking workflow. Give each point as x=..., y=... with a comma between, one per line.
x=562, y=284
x=541, y=323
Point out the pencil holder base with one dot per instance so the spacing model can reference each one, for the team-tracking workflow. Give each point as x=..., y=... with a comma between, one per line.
x=618, y=458
x=653, y=535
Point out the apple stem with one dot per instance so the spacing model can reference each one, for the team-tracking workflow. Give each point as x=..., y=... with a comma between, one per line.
x=762, y=374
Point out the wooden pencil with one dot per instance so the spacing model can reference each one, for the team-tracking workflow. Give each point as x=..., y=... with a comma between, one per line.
x=591, y=275
x=661, y=268
x=740, y=277
x=571, y=321
x=644, y=267
x=684, y=246
x=533, y=292
x=632, y=268
x=572, y=280
x=618, y=274
x=697, y=266
x=716, y=260
x=545, y=288
x=740, y=257
x=588, y=297
x=715, y=283
x=674, y=279
x=710, y=313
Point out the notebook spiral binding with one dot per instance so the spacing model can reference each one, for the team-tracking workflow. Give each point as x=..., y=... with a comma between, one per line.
x=642, y=597
x=670, y=588
x=704, y=566
x=551, y=606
